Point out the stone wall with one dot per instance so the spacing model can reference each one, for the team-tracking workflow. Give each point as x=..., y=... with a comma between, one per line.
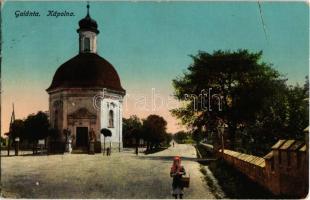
x=287, y=168
x=283, y=171
x=250, y=165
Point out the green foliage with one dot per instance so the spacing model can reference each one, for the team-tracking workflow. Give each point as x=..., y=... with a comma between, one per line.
x=17, y=129
x=257, y=105
x=181, y=137
x=197, y=135
x=154, y=130
x=132, y=127
x=54, y=133
x=298, y=112
x=284, y=117
x=168, y=139
x=36, y=126
x=3, y=141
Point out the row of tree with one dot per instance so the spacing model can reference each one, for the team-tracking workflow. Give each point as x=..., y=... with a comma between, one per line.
x=252, y=99
x=33, y=128
x=152, y=130
x=183, y=137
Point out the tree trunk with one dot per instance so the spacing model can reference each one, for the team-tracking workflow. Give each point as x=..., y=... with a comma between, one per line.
x=103, y=144
x=33, y=151
x=137, y=145
x=147, y=145
x=9, y=145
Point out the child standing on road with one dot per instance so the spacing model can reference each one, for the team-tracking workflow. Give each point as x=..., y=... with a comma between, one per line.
x=177, y=171
x=108, y=151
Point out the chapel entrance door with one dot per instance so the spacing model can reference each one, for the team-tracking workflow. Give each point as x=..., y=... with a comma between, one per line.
x=81, y=137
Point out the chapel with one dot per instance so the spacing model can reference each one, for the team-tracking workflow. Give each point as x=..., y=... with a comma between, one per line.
x=86, y=95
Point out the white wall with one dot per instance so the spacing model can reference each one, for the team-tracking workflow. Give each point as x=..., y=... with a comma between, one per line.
x=114, y=104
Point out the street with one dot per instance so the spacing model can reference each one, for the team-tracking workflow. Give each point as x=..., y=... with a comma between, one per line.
x=123, y=175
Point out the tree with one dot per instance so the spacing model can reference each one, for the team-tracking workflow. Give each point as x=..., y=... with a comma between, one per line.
x=168, y=138
x=54, y=133
x=269, y=124
x=241, y=82
x=36, y=126
x=106, y=133
x=181, y=136
x=132, y=128
x=3, y=141
x=306, y=87
x=197, y=135
x=284, y=116
x=17, y=129
x=298, y=111
x=154, y=130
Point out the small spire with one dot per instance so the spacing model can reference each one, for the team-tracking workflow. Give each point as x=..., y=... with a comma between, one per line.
x=13, y=113
x=87, y=8
x=12, y=118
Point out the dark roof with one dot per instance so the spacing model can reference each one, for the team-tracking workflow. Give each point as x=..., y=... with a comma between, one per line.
x=86, y=70
x=87, y=23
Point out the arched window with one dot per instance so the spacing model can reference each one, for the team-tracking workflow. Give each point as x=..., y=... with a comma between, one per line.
x=56, y=106
x=56, y=119
x=86, y=44
x=111, y=119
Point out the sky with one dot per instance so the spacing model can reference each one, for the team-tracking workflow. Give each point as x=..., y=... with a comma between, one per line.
x=148, y=43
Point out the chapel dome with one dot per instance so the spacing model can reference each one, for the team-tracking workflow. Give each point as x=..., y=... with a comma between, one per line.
x=87, y=23
x=86, y=70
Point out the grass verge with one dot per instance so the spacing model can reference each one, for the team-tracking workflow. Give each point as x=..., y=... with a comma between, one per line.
x=210, y=182
x=234, y=184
